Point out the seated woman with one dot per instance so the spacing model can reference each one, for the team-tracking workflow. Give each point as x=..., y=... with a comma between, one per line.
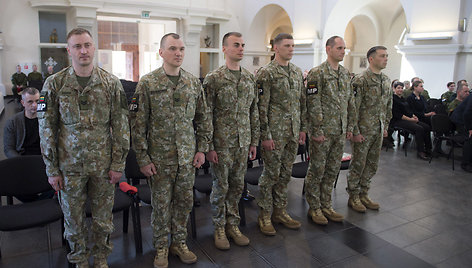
x=418, y=103
x=403, y=117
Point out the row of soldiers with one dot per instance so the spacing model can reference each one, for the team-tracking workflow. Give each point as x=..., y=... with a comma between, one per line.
x=34, y=79
x=176, y=123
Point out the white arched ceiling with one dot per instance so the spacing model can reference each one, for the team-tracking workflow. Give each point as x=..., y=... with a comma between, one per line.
x=265, y=22
x=365, y=33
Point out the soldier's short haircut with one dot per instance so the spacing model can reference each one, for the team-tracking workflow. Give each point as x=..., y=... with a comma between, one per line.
x=460, y=84
x=78, y=31
x=414, y=78
x=164, y=38
x=227, y=35
x=282, y=36
x=332, y=40
x=373, y=50
x=30, y=91
x=450, y=83
x=398, y=83
x=416, y=83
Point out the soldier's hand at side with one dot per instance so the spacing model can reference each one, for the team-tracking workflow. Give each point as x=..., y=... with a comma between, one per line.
x=252, y=152
x=114, y=176
x=319, y=139
x=385, y=134
x=57, y=182
x=470, y=133
x=212, y=157
x=358, y=138
x=148, y=170
x=302, y=138
x=268, y=145
x=348, y=135
x=199, y=159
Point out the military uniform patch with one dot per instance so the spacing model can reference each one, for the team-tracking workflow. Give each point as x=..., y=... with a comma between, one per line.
x=42, y=104
x=133, y=106
x=260, y=88
x=311, y=88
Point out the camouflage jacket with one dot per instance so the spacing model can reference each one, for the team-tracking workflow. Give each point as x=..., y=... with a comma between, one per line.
x=330, y=101
x=282, y=101
x=373, y=98
x=446, y=97
x=453, y=105
x=233, y=108
x=19, y=79
x=162, y=128
x=83, y=131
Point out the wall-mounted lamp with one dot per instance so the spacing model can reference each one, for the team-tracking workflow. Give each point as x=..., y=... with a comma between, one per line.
x=463, y=25
x=430, y=36
x=303, y=41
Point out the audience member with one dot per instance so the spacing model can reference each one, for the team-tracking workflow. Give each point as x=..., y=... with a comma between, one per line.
x=35, y=79
x=407, y=91
x=446, y=97
x=462, y=118
x=19, y=81
x=21, y=136
x=403, y=117
x=462, y=93
x=418, y=103
x=407, y=85
x=49, y=73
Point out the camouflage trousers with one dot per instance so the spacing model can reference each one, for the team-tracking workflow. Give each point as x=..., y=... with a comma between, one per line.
x=228, y=184
x=100, y=194
x=277, y=174
x=364, y=164
x=172, y=201
x=323, y=169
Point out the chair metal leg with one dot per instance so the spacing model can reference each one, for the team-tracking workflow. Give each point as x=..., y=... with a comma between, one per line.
x=336, y=182
x=136, y=228
x=49, y=245
x=125, y=220
x=303, y=189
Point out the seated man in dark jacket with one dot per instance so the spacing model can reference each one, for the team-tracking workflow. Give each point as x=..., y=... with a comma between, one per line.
x=462, y=118
x=21, y=134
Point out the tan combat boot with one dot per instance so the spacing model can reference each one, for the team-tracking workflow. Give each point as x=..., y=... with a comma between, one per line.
x=317, y=216
x=332, y=215
x=83, y=264
x=221, y=241
x=100, y=262
x=162, y=257
x=369, y=203
x=180, y=249
x=234, y=232
x=281, y=216
x=265, y=224
x=355, y=203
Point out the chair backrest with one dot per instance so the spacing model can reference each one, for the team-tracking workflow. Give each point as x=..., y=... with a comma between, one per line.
x=441, y=124
x=132, y=168
x=23, y=175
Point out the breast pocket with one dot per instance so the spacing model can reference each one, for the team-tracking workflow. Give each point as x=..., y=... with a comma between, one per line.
x=69, y=109
x=225, y=99
x=160, y=102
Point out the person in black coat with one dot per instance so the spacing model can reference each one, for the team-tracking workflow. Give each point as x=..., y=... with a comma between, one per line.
x=462, y=118
x=404, y=117
x=418, y=103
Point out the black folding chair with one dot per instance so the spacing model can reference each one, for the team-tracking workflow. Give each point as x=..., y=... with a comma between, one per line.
x=26, y=175
x=443, y=129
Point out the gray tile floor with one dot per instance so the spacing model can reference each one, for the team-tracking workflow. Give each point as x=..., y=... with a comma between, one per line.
x=425, y=220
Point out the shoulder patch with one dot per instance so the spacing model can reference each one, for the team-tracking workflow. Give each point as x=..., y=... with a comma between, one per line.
x=42, y=104
x=260, y=88
x=311, y=88
x=133, y=106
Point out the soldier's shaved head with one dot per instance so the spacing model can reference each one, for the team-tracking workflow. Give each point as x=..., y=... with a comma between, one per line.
x=225, y=37
x=164, y=38
x=78, y=31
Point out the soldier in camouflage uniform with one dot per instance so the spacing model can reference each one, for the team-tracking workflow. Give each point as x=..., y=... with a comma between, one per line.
x=19, y=82
x=330, y=111
x=232, y=99
x=167, y=148
x=35, y=79
x=373, y=98
x=84, y=129
x=282, y=112
x=462, y=93
x=447, y=96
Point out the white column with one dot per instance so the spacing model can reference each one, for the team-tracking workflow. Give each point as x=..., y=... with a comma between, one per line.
x=192, y=28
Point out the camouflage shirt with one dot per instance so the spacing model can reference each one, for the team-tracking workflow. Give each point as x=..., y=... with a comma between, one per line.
x=373, y=97
x=19, y=79
x=233, y=107
x=84, y=131
x=162, y=129
x=282, y=98
x=453, y=105
x=330, y=101
x=446, y=97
